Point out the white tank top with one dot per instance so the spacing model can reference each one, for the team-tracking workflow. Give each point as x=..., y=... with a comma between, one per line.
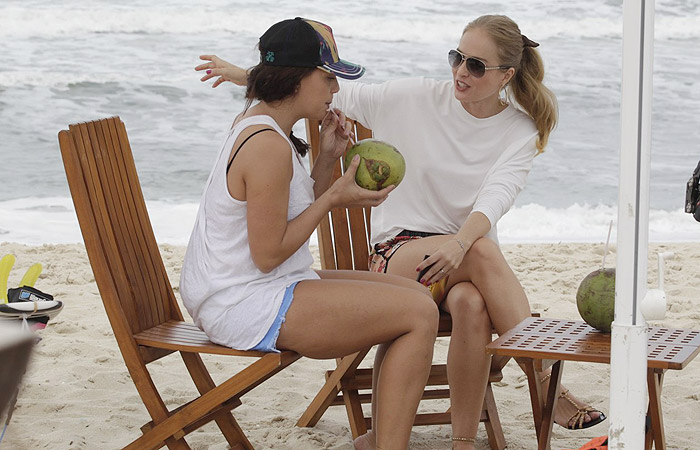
x=228, y=297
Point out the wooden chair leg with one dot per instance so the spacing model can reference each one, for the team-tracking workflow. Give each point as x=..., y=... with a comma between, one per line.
x=330, y=389
x=353, y=406
x=497, y=441
x=235, y=386
x=154, y=403
x=656, y=433
x=227, y=423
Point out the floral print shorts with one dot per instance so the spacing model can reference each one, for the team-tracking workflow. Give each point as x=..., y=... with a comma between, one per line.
x=382, y=253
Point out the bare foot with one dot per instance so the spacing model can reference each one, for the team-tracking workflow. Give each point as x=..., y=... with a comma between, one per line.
x=365, y=442
x=456, y=445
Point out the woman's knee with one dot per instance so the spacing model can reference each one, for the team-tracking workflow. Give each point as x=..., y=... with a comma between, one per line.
x=485, y=249
x=466, y=303
x=485, y=256
x=424, y=313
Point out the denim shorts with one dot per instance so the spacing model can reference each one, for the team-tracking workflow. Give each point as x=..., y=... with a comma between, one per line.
x=267, y=344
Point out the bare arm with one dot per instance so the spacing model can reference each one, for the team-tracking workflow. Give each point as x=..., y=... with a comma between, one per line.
x=217, y=67
x=475, y=227
x=335, y=134
x=272, y=238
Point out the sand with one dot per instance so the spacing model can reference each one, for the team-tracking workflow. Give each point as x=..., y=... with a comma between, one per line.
x=77, y=393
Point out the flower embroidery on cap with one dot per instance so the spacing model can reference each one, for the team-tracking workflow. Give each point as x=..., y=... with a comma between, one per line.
x=270, y=57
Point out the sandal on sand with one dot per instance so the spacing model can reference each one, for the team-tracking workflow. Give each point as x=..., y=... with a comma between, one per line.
x=581, y=411
x=580, y=415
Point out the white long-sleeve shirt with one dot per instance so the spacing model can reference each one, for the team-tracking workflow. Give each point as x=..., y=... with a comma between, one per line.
x=455, y=163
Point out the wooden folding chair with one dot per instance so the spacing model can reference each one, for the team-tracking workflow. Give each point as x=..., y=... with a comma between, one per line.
x=139, y=300
x=344, y=244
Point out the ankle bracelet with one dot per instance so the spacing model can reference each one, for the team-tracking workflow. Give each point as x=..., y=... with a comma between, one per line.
x=463, y=439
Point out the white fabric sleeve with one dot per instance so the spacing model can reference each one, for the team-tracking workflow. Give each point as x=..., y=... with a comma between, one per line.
x=505, y=180
x=359, y=101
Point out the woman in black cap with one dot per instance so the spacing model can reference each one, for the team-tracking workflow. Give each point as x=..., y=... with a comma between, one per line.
x=247, y=279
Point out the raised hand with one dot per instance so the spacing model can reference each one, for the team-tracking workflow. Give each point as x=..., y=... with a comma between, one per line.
x=335, y=132
x=217, y=67
x=346, y=193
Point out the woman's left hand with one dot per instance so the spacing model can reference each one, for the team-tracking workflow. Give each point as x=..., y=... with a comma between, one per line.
x=217, y=67
x=335, y=132
x=447, y=257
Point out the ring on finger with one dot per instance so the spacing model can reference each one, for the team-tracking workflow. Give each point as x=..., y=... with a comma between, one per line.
x=442, y=271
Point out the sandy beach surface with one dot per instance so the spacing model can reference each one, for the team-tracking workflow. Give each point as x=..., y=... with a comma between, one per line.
x=77, y=393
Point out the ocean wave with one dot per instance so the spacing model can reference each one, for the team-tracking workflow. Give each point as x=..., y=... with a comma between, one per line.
x=52, y=21
x=589, y=223
x=60, y=79
x=52, y=220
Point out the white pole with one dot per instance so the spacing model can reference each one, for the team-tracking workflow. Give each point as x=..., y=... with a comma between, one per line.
x=628, y=363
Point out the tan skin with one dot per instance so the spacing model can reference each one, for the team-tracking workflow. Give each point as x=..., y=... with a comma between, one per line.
x=483, y=291
x=344, y=311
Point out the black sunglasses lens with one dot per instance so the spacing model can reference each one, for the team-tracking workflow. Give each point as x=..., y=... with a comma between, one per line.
x=454, y=58
x=476, y=67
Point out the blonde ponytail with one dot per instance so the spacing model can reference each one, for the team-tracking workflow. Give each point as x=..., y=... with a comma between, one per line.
x=526, y=87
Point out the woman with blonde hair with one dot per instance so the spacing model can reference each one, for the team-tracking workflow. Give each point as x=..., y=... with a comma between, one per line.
x=469, y=143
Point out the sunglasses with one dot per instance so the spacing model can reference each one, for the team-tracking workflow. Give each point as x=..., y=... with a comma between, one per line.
x=476, y=67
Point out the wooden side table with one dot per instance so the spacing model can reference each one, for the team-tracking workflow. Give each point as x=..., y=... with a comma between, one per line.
x=539, y=343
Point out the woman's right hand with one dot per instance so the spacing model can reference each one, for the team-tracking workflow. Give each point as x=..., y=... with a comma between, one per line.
x=346, y=193
x=217, y=67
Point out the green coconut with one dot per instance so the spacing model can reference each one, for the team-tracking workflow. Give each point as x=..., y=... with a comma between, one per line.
x=595, y=299
x=381, y=164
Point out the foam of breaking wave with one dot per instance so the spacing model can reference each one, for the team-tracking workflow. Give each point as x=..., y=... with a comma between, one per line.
x=578, y=21
x=36, y=221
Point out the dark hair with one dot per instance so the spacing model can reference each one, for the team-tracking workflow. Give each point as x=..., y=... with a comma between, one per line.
x=276, y=83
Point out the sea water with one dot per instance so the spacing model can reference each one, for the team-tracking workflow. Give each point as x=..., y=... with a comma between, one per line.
x=63, y=62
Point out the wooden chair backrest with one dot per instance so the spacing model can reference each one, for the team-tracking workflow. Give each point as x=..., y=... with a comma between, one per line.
x=343, y=237
x=117, y=231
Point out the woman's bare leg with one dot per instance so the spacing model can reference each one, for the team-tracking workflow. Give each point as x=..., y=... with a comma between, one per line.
x=485, y=266
x=367, y=441
x=468, y=363
x=334, y=317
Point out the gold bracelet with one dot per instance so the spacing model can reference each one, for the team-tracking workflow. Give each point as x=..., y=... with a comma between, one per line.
x=463, y=439
x=461, y=244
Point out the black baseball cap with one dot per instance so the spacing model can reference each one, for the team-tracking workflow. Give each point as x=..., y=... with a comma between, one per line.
x=305, y=43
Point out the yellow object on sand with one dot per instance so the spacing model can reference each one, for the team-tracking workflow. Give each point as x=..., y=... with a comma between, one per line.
x=6, y=264
x=31, y=275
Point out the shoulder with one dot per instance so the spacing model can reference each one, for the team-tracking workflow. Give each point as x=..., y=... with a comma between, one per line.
x=261, y=142
x=519, y=122
x=394, y=86
x=418, y=85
